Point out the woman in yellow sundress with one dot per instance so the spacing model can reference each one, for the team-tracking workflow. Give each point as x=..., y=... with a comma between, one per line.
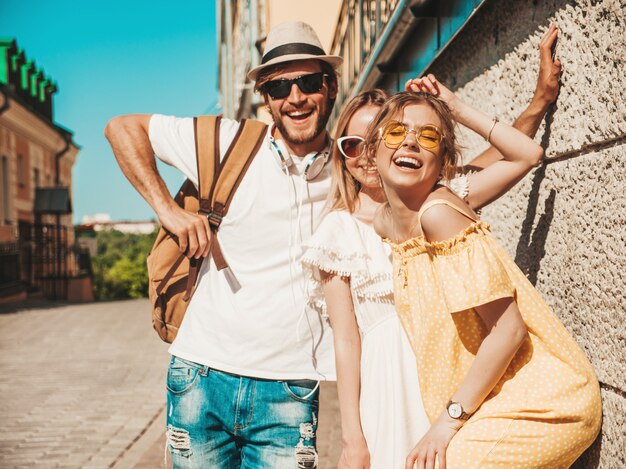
x=503, y=383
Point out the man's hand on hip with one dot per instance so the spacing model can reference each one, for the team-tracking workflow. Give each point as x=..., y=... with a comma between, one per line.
x=192, y=230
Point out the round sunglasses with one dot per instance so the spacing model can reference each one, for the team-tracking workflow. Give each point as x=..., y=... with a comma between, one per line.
x=351, y=146
x=394, y=133
x=281, y=88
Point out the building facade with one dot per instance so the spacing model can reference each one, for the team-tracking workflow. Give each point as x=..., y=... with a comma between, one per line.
x=565, y=224
x=36, y=160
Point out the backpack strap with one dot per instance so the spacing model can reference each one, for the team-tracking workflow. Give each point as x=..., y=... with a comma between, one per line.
x=233, y=168
x=218, y=181
x=206, y=133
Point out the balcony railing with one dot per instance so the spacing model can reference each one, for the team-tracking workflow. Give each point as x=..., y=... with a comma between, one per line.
x=9, y=268
x=360, y=27
x=370, y=34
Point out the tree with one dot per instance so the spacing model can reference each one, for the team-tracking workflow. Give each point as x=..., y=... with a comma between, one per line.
x=120, y=269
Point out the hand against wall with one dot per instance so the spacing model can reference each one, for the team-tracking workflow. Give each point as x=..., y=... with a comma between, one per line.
x=547, y=88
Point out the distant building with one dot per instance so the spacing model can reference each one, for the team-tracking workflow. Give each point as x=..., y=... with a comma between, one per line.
x=37, y=252
x=103, y=222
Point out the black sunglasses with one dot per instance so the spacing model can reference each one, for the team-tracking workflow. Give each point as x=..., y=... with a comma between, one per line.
x=281, y=88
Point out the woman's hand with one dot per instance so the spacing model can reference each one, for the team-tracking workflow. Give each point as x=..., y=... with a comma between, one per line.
x=354, y=456
x=429, y=84
x=547, y=88
x=433, y=445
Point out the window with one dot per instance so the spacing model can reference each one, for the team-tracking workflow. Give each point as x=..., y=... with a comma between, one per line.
x=4, y=203
x=36, y=178
x=21, y=171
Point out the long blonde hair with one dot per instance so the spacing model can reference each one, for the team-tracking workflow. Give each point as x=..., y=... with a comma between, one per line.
x=450, y=149
x=344, y=190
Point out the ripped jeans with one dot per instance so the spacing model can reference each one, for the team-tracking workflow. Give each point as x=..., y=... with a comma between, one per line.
x=220, y=420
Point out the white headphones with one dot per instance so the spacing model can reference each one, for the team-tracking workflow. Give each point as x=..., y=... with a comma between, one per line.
x=313, y=163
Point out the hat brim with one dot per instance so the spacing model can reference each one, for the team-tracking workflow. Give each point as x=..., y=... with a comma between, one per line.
x=333, y=60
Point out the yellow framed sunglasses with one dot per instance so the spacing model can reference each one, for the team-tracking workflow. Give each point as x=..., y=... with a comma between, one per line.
x=394, y=133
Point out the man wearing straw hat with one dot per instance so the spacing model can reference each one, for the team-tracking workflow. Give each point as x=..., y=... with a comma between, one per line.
x=246, y=364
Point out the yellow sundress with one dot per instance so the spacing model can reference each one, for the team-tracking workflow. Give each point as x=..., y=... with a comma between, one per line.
x=546, y=409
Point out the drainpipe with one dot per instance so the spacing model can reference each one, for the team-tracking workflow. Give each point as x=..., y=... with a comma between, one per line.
x=57, y=159
x=254, y=57
x=230, y=86
x=61, y=268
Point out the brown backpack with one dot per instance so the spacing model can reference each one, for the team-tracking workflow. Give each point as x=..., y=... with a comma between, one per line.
x=172, y=276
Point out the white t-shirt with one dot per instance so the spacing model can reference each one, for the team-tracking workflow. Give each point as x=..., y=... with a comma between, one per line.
x=263, y=330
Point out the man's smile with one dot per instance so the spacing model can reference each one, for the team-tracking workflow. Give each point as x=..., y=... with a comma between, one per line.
x=298, y=115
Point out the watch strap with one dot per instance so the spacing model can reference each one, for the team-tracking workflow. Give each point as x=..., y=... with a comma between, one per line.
x=464, y=415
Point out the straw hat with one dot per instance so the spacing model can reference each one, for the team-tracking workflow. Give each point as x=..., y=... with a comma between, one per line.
x=293, y=40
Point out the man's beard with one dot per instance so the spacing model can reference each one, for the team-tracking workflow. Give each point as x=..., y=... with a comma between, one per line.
x=320, y=126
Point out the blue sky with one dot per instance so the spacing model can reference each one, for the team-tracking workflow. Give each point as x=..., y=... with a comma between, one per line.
x=117, y=57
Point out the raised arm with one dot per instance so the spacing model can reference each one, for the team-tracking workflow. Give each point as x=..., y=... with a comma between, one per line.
x=546, y=92
x=347, y=340
x=519, y=151
x=128, y=136
x=516, y=147
x=495, y=175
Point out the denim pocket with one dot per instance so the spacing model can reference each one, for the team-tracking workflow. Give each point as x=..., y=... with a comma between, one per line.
x=302, y=390
x=181, y=375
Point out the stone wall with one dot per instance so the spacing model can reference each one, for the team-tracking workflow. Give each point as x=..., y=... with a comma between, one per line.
x=565, y=224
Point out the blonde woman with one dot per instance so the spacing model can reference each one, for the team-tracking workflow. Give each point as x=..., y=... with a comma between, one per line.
x=502, y=381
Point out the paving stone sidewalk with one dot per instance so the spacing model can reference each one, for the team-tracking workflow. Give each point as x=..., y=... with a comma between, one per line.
x=82, y=386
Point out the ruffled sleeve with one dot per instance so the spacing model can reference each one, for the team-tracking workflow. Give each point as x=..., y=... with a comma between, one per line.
x=468, y=270
x=339, y=247
x=459, y=185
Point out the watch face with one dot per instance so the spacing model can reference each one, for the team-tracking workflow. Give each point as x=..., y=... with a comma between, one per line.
x=455, y=410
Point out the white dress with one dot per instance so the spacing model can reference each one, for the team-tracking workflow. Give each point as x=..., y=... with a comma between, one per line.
x=392, y=413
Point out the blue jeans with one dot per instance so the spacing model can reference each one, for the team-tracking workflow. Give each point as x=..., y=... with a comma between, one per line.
x=221, y=420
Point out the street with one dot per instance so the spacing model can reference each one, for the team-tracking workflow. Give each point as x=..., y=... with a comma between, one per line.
x=82, y=386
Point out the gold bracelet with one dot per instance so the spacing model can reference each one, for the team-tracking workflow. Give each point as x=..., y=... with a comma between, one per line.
x=495, y=121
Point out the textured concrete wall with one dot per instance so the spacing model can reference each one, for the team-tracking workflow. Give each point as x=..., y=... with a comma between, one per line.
x=565, y=224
